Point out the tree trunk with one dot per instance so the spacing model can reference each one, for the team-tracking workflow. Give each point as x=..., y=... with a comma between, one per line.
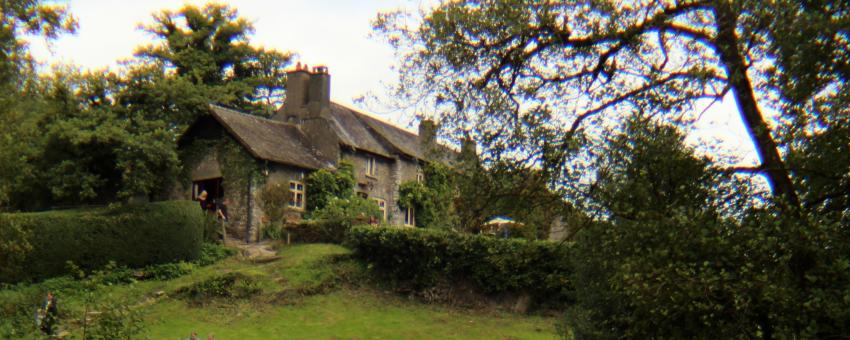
x=736, y=70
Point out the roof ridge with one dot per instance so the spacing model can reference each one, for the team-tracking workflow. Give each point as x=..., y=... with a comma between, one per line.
x=378, y=119
x=234, y=111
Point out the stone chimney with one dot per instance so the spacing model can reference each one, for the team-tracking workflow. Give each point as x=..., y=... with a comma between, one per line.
x=427, y=131
x=308, y=94
x=297, y=89
x=428, y=137
x=319, y=94
x=308, y=104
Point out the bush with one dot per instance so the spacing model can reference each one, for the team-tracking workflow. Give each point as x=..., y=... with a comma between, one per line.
x=230, y=285
x=421, y=257
x=212, y=253
x=315, y=231
x=324, y=185
x=133, y=235
x=332, y=223
x=691, y=277
x=168, y=271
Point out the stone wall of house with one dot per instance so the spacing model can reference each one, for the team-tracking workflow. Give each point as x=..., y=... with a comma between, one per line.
x=407, y=170
x=381, y=185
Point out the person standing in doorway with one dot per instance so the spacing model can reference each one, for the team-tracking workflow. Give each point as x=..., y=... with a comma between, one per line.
x=202, y=199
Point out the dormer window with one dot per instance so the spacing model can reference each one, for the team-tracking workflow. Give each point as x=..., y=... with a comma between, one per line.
x=371, y=168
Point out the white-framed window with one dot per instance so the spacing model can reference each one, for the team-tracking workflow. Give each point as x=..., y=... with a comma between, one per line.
x=296, y=200
x=420, y=177
x=409, y=217
x=371, y=168
x=383, y=206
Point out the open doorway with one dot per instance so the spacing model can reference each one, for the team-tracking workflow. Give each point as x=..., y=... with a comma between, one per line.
x=213, y=187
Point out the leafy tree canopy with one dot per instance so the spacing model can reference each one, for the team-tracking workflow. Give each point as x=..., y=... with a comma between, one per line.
x=536, y=81
x=210, y=47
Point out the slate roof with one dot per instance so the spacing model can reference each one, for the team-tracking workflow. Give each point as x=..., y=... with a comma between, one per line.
x=269, y=139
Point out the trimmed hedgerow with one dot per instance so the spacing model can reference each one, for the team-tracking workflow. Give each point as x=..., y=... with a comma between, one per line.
x=421, y=257
x=134, y=235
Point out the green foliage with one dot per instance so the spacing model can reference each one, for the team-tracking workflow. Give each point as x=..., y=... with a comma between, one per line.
x=100, y=137
x=348, y=212
x=116, y=321
x=230, y=285
x=273, y=231
x=420, y=258
x=667, y=264
x=324, y=185
x=14, y=246
x=212, y=253
x=512, y=190
x=168, y=271
x=274, y=199
x=333, y=222
x=27, y=17
x=499, y=71
x=433, y=199
x=211, y=51
x=238, y=167
x=132, y=235
x=315, y=231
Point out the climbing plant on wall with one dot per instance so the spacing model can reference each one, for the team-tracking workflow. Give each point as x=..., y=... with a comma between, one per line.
x=431, y=199
x=324, y=185
x=237, y=165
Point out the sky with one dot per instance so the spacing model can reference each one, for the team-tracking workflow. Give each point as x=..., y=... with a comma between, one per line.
x=333, y=33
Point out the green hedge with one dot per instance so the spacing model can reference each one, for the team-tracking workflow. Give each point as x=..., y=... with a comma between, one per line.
x=133, y=235
x=421, y=257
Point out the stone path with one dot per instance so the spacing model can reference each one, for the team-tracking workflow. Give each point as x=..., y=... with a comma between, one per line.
x=254, y=252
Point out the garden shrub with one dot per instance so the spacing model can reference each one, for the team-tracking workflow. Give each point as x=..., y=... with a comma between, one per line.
x=702, y=278
x=432, y=199
x=230, y=285
x=316, y=231
x=168, y=271
x=421, y=257
x=116, y=321
x=332, y=223
x=212, y=253
x=134, y=235
x=325, y=185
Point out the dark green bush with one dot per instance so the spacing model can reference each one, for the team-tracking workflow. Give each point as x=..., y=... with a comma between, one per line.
x=421, y=257
x=313, y=231
x=168, y=271
x=212, y=253
x=331, y=223
x=324, y=185
x=230, y=285
x=133, y=235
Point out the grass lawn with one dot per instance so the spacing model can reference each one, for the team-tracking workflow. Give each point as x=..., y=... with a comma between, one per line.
x=306, y=294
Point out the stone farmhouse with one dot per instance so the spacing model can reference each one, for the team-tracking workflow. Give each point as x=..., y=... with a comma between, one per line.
x=309, y=132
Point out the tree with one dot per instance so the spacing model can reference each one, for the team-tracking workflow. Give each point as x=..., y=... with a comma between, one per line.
x=27, y=17
x=209, y=47
x=668, y=262
x=528, y=76
x=18, y=80
x=502, y=188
